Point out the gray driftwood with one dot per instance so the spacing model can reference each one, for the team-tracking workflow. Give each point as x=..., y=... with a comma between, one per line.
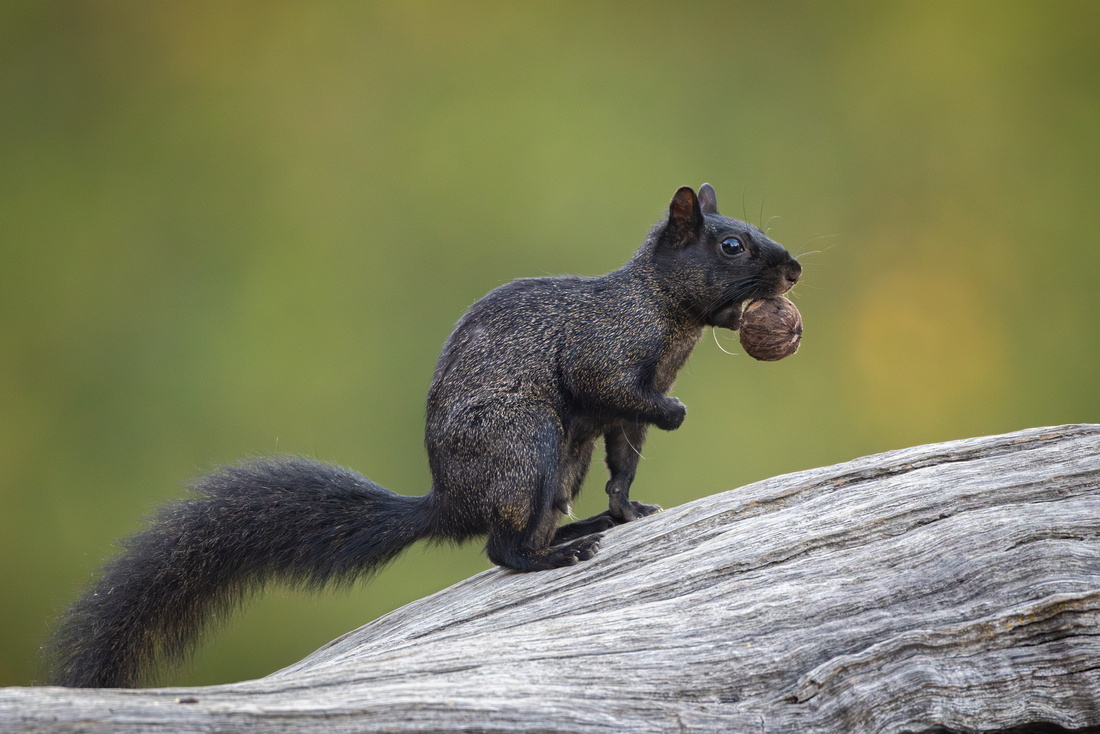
x=945, y=588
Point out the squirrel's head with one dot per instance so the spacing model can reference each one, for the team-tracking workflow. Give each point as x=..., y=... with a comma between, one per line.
x=714, y=264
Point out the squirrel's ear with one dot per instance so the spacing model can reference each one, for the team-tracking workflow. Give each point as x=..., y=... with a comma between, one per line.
x=707, y=201
x=685, y=218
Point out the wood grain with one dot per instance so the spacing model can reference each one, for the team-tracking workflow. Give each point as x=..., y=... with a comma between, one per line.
x=952, y=587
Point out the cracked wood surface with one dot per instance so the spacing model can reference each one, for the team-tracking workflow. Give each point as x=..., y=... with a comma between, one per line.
x=953, y=587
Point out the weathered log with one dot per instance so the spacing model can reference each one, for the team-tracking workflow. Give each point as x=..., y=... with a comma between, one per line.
x=953, y=587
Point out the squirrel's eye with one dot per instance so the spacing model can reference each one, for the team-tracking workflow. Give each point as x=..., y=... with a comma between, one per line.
x=732, y=246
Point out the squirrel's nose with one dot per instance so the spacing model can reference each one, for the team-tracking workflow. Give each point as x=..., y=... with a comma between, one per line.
x=792, y=272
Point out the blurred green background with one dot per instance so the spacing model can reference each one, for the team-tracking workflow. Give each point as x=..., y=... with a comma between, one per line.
x=234, y=228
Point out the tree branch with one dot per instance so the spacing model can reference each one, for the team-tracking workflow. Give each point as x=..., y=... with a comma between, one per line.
x=953, y=587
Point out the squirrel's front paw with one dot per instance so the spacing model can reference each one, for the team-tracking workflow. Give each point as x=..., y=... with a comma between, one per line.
x=673, y=416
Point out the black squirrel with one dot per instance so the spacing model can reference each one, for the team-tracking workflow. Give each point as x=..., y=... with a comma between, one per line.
x=532, y=375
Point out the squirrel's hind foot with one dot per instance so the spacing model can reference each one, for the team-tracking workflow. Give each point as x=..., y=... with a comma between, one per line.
x=542, y=559
x=627, y=512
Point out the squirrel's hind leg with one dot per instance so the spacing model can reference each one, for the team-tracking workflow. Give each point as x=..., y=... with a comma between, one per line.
x=527, y=495
x=624, y=445
x=523, y=532
x=536, y=545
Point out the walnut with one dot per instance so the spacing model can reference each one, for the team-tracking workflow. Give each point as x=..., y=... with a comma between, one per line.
x=771, y=329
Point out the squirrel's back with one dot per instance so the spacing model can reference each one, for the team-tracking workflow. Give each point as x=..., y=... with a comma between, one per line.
x=523, y=337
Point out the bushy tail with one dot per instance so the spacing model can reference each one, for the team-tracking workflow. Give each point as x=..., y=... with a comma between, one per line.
x=291, y=520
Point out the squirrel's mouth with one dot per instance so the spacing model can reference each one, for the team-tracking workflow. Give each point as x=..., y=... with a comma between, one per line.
x=727, y=315
x=784, y=287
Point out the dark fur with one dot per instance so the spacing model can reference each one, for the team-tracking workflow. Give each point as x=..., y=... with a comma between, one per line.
x=533, y=374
